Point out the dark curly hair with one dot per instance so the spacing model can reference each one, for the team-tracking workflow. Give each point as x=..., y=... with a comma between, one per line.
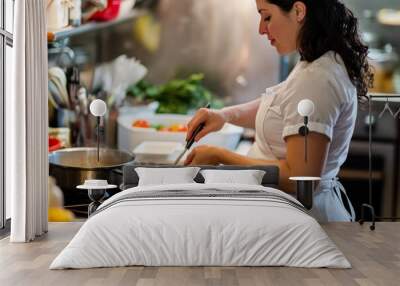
x=330, y=26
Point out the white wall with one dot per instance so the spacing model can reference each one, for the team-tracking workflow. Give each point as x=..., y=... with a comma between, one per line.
x=218, y=38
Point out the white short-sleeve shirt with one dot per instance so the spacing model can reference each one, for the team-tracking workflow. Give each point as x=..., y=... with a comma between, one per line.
x=325, y=81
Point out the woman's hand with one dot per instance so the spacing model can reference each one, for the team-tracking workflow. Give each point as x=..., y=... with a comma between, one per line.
x=214, y=120
x=204, y=155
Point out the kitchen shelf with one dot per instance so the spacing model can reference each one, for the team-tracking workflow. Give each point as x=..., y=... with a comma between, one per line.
x=69, y=31
x=391, y=97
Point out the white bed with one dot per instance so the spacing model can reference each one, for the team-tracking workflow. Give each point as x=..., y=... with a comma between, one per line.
x=221, y=225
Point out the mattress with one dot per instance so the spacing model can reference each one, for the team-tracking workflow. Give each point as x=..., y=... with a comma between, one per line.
x=201, y=225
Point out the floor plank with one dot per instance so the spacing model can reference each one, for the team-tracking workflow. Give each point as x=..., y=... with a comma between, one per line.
x=374, y=255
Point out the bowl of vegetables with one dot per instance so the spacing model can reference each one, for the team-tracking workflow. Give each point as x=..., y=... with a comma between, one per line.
x=133, y=129
x=176, y=127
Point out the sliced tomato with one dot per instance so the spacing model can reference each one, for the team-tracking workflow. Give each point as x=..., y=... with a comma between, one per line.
x=177, y=128
x=182, y=128
x=141, y=123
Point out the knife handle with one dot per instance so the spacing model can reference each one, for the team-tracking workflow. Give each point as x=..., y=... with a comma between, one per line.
x=200, y=127
x=195, y=132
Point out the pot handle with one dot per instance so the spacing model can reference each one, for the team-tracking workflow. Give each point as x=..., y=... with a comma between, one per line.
x=118, y=171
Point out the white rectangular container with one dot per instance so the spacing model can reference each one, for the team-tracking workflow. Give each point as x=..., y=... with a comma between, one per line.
x=130, y=137
x=157, y=152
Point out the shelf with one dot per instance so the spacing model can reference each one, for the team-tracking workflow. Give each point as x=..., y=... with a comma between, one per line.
x=392, y=97
x=90, y=27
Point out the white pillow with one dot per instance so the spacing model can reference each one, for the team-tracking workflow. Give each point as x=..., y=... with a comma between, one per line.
x=248, y=177
x=165, y=176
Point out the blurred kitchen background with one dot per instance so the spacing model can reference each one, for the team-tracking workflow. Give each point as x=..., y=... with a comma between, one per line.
x=214, y=49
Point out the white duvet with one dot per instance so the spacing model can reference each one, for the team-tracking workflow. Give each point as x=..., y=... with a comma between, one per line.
x=202, y=231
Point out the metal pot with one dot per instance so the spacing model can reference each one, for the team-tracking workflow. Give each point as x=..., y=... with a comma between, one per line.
x=71, y=167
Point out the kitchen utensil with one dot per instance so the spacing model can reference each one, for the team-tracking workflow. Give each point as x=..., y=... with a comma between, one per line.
x=115, y=77
x=73, y=83
x=190, y=142
x=85, y=128
x=59, y=79
x=54, y=98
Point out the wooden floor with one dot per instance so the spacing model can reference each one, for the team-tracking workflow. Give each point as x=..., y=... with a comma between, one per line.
x=375, y=256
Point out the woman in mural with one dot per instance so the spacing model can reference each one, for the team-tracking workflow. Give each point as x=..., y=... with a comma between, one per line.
x=333, y=72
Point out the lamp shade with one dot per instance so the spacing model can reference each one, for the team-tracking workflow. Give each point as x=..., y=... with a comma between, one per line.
x=305, y=107
x=98, y=107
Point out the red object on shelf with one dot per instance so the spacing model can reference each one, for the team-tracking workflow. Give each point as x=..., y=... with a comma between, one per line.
x=109, y=13
x=54, y=144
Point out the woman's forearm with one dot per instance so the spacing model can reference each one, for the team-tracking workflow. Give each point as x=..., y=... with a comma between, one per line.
x=243, y=115
x=227, y=157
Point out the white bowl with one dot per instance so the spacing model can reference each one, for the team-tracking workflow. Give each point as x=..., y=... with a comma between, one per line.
x=157, y=152
x=130, y=137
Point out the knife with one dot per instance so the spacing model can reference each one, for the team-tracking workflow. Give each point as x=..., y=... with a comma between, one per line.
x=190, y=142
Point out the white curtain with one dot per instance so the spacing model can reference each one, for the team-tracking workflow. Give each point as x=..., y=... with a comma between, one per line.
x=27, y=123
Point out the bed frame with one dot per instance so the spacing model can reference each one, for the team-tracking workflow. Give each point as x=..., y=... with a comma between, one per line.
x=270, y=179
